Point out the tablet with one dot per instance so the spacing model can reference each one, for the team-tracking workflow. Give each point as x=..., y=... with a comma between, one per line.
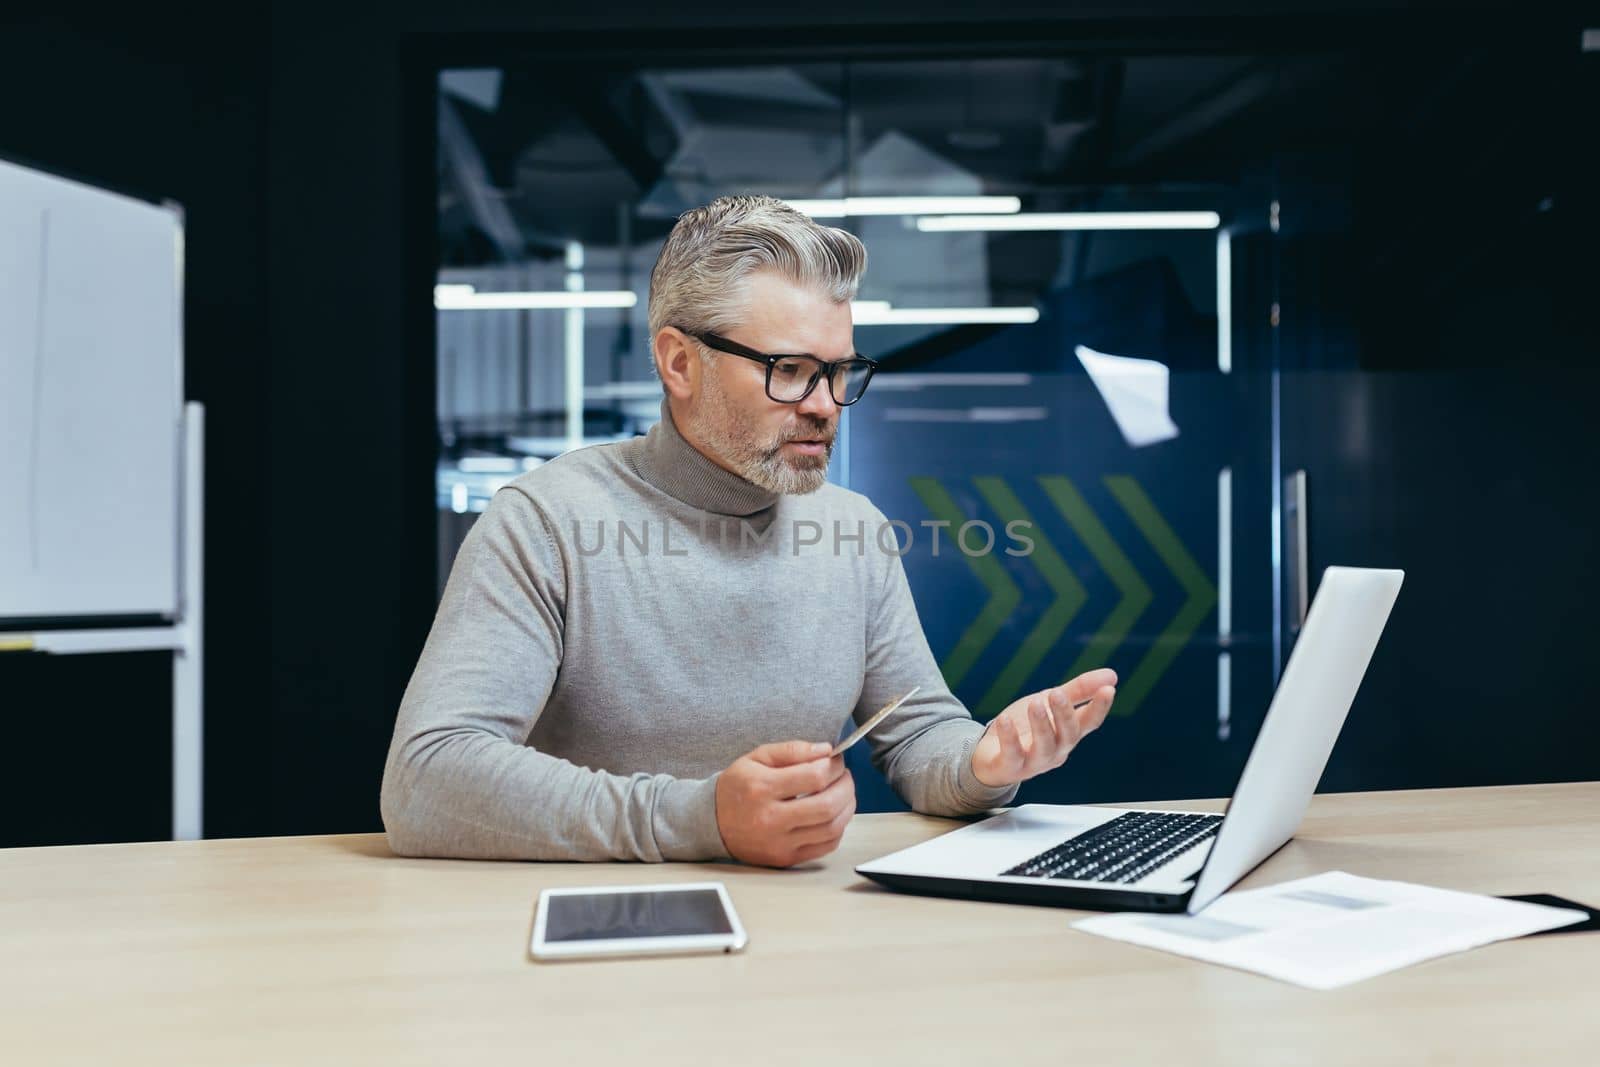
x=635, y=920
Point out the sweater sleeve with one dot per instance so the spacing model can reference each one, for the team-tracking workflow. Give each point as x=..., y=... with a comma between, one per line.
x=461, y=781
x=925, y=747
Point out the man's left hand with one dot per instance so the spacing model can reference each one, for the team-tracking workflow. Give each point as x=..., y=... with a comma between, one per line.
x=1037, y=732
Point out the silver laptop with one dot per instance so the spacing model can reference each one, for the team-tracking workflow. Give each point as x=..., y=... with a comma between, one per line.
x=1130, y=859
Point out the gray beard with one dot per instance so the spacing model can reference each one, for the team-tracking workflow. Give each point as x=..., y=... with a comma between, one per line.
x=777, y=475
x=717, y=423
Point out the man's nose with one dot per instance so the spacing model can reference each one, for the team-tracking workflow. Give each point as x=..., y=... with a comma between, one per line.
x=819, y=402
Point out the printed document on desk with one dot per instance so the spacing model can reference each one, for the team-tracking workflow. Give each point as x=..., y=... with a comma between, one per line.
x=1333, y=929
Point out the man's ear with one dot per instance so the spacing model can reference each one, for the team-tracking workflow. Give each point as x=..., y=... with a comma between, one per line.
x=677, y=363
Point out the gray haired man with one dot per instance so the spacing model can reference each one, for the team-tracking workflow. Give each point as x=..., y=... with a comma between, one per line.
x=580, y=699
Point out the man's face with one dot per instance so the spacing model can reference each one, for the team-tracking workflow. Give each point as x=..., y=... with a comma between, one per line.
x=784, y=448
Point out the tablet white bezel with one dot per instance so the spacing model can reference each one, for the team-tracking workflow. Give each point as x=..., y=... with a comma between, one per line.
x=636, y=946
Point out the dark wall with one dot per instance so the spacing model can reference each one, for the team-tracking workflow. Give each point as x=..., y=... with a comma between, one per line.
x=1439, y=351
x=1466, y=479
x=290, y=131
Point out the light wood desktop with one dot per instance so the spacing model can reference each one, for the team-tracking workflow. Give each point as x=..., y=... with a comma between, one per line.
x=332, y=950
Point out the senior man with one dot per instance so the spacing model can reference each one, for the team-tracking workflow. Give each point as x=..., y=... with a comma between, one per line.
x=645, y=649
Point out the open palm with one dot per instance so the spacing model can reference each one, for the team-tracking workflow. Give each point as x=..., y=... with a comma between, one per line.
x=1037, y=732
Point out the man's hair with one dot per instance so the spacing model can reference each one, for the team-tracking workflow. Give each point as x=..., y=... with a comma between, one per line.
x=700, y=280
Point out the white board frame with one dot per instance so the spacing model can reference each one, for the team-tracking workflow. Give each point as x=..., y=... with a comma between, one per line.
x=184, y=636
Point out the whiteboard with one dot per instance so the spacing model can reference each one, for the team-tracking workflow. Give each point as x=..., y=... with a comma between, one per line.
x=91, y=386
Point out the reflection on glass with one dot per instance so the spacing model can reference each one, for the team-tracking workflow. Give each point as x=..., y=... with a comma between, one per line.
x=1043, y=293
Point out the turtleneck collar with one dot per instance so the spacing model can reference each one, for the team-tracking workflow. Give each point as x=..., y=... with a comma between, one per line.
x=680, y=470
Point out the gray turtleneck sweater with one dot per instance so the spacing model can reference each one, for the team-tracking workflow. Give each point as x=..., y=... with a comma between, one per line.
x=624, y=622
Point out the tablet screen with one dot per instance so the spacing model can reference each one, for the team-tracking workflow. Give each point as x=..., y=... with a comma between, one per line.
x=617, y=916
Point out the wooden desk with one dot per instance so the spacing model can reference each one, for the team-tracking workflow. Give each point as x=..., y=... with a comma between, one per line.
x=332, y=950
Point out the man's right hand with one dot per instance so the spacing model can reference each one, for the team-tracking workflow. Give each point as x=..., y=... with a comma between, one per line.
x=784, y=803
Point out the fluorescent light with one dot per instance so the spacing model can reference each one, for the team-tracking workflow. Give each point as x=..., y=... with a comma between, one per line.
x=946, y=316
x=882, y=313
x=646, y=390
x=907, y=205
x=820, y=209
x=486, y=464
x=453, y=298
x=1224, y=302
x=1032, y=414
x=1077, y=220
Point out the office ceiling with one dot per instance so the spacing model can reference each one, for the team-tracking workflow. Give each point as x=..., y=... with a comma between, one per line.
x=531, y=159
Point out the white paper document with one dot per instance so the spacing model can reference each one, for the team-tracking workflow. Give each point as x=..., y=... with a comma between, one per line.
x=1135, y=392
x=1333, y=929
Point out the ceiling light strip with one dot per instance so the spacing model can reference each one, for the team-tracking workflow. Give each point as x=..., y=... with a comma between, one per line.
x=1076, y=220
x=465, y=298
x=946, y=316
x=907, y=205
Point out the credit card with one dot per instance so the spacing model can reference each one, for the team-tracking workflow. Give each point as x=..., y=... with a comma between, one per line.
x=878, y=716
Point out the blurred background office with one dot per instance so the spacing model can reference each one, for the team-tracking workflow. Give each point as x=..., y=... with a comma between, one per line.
x=1213, y=296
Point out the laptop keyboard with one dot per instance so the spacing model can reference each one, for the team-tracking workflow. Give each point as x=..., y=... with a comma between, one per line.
x=1123, y=850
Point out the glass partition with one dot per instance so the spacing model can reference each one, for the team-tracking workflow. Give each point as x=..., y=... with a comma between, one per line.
x=1070, y=286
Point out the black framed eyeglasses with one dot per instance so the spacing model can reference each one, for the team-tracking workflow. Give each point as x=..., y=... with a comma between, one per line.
x=790, y=378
